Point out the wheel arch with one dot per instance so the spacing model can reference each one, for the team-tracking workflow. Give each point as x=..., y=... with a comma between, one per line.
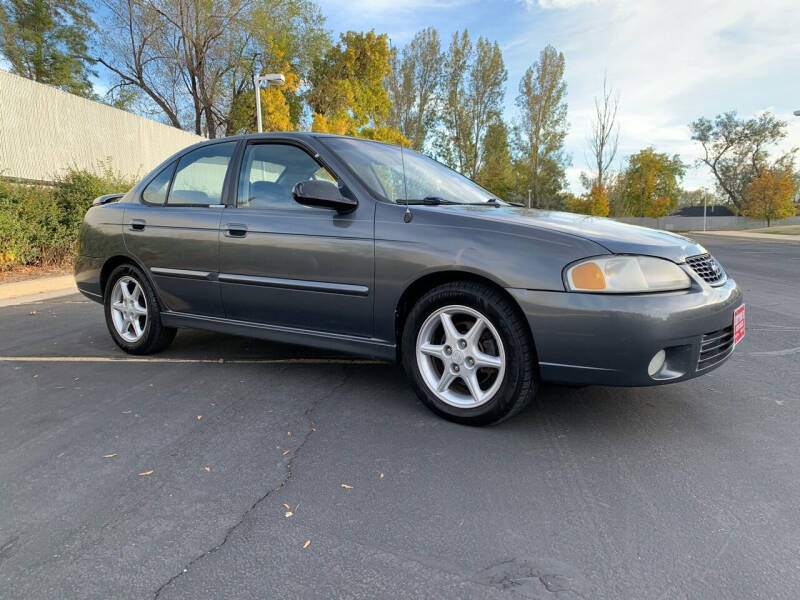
x=120, y=259
x=420, y=286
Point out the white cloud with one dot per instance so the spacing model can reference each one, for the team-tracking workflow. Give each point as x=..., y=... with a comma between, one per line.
x=672, y=62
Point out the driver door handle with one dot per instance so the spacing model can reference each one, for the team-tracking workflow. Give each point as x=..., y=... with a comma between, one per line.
x=236, y=230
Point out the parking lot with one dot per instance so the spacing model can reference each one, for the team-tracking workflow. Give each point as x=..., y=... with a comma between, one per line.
x=230, y=467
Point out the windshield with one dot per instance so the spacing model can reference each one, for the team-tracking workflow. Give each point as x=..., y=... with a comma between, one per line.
x=382, y=167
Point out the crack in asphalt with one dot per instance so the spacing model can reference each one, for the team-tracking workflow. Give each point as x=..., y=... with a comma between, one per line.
x=307, y=414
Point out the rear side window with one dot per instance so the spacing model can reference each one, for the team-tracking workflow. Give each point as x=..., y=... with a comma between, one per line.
x=200, y=176
x=156, y=190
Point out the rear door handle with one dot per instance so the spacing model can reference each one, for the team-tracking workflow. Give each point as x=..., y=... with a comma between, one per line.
x=238, y=230
x=138, y=224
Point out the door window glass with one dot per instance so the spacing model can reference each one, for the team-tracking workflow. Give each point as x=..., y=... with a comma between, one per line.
x=201, y=176
x=156, y=190
x=270, y=172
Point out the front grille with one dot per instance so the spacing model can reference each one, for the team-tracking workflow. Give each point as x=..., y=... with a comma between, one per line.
x=707, y=267
x=715, y=347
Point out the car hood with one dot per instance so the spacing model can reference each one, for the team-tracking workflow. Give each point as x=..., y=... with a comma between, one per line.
x=617, y=237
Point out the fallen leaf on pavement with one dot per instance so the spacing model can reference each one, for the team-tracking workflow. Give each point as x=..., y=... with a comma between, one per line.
x=126, y=412
x=146, y=473
x=286, y=506
x=212, y=404
x=313, y=429
x=32, y=313
x=289, y=514
x=208, y=469
x=307, y=544
x=285, y=452
x=109, y=455
x=199, y=417
x=347, y=487
x=288, y=433
x=382, y=475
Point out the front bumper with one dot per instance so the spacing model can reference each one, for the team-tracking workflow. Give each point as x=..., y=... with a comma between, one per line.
x=610, y=339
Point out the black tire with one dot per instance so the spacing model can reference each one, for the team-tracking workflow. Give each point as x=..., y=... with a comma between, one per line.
x=155, y=336
x=519, y=381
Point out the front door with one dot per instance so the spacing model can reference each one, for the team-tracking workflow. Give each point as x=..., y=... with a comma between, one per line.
x=174, y=230
x=286, y=264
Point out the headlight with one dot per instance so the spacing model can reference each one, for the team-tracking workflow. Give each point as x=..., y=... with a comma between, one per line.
x=625, y=275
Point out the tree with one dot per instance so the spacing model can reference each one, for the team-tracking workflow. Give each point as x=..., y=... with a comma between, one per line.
x=497, y=170
x=651, y=176
x=576, y=204
x=48, y=41
x=736, y=150
x=472, y=96
x=594, y=202
x=598, y=201
x=605, y=131
x=660, y=207
x=347, y=95
x=412, y=85
x=769, y=196
x=543, y=126
x=190, y=59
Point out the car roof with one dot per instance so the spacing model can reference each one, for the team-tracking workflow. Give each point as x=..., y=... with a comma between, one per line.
x=298, y=135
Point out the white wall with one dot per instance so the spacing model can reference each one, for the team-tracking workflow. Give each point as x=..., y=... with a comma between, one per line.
x=44, y=131
x=696, y=223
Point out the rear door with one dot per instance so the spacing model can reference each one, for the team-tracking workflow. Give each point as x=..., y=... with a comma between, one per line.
x=286, y=264
x=174, y=230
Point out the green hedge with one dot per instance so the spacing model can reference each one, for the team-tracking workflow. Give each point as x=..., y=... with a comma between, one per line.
x=39, y=224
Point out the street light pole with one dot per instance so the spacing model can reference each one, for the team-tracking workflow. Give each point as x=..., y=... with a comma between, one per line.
x=256, y=87
x=272, y=80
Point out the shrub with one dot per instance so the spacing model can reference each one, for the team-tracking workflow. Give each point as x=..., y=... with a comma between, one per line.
x=39, y=224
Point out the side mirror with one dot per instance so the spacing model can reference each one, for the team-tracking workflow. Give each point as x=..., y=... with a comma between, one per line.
x=322, y=194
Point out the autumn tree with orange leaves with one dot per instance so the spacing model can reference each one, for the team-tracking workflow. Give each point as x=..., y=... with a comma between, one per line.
x=769, y=196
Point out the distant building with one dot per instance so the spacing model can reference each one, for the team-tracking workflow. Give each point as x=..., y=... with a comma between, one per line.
x=714, y=210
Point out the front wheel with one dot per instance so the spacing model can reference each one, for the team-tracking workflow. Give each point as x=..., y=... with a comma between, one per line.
x=132, y=312
x=468, y=354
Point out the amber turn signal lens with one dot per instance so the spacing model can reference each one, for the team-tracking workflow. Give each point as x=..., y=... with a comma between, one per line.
x=588, y=276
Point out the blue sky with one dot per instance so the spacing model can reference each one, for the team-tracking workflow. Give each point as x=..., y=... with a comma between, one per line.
x=672, y=61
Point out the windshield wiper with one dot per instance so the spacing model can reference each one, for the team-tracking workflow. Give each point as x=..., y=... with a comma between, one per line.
x=429, y=200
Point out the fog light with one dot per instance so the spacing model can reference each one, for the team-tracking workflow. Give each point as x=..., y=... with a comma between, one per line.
x=656, y=362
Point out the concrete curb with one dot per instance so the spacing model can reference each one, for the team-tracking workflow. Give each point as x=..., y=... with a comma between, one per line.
x=773, y=237
x=32, y=290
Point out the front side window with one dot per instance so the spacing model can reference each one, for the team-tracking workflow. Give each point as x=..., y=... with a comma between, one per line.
x=156, y=190
x=399, y=174
x=270, y=172
x=200, y=176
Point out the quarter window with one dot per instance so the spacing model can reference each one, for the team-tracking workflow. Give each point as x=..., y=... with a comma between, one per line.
x=156, y=190
x=270, y=172
x=200, y=176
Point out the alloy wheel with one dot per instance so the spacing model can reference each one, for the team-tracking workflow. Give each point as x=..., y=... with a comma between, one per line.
x=129, y=309
x=460, y=356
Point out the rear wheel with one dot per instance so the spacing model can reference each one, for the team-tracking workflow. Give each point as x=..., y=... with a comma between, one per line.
x=132, y=312
x=468, y=354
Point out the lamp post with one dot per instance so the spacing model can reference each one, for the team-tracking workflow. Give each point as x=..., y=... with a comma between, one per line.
x=272, y=80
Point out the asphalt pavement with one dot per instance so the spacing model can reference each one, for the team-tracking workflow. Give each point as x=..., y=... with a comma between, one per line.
x=230, y=467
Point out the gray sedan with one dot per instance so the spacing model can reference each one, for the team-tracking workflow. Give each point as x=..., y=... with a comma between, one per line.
x=372, y=249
